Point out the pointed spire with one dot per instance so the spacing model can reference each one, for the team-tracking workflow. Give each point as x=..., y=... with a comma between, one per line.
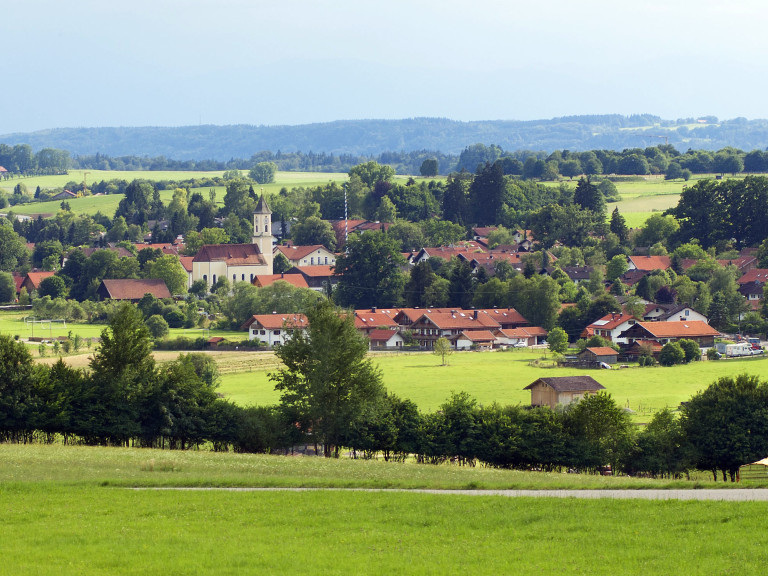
x=262, y=207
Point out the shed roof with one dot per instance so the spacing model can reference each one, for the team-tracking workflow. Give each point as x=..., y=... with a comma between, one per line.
x=569, y=384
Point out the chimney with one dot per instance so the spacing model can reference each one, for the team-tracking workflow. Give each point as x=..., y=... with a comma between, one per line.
x=373, y=309
x=475, y=315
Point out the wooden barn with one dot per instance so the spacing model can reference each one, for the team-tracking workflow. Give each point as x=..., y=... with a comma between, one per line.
x=754, y=471
x=562, y=389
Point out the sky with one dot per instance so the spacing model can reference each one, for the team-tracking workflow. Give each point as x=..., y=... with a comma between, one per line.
x=93, y=63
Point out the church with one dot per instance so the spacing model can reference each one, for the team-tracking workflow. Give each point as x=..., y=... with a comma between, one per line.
x=238, y=262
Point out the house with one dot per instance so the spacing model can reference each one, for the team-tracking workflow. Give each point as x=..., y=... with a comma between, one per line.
x=561, y=390
x=755, y=275
x=610, y=327
x=528, y=336
x=639, y=348
x=238, y=262
x=474, y=339
x=431, y=326
x=383, y=339
x=64, y=195
x=132, y=289
x=274, y=329
x=505, y=317
x=753, y=292
x=264, y=280
x=465, y=250
x=754, y=471
x=649, y=263
x=32, y=280
x=575, y=273
x=597, y=355
x=372, y=319
x=671, y=312
x=663, y=332
x=342, y=228
x=186, y=263
x=319, y=278
x=316, y=254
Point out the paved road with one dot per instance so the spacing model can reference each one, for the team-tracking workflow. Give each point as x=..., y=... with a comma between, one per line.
x=731, y=495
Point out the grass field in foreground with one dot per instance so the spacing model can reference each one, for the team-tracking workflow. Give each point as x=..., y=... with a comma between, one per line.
x=98, y=466
x=74, y=530
x=501, y=377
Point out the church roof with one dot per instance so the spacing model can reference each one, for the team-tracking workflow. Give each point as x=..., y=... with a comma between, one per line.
x=232, y=254
x=262, y=207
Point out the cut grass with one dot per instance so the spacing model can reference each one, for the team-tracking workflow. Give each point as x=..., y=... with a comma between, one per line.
x=98, y=466
x=66, y=530
x=501, y=376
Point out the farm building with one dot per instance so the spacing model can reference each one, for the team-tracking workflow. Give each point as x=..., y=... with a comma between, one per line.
x=132, y=289
x=271, y=329
x=594, y=356
x=672, y=331
x=561, y=390
x=754, y=471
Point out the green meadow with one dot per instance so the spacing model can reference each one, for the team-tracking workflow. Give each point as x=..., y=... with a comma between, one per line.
x=75, y=510
x=501, y=376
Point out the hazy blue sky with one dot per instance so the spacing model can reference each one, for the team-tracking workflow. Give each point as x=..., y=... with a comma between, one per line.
x=182, y=62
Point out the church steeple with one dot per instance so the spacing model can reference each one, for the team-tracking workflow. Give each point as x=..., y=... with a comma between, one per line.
x=262, y=229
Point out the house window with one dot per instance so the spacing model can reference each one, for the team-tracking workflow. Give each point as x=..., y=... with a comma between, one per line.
x=205, y=277
x=262, y=332
x=687, y=312
x=326, y=259
x=242, y=277
x=276, y=332
x=312, y=260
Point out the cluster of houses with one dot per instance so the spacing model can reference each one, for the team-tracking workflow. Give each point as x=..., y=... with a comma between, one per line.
x=394, y=328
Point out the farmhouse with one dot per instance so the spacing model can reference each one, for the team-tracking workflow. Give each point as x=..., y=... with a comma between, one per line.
x=319, y=278
x=316, y=254
x=663, y=332
x=648, y=263
x=671, y=312
x=272, y=329
x=32, y=280
x=383, y=339
x=132, y=289
x=430, y=327
x=610, y=327
x=561, y=390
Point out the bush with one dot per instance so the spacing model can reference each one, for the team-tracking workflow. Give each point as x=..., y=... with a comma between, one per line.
x=713, y=354
x=158, y=327
x=646, y=361
x=672, y=353
x=690, y=349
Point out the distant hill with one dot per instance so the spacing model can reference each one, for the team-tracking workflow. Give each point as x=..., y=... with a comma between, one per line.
x=372, y=137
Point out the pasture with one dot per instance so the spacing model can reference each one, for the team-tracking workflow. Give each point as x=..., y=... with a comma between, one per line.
x=72, y=510
x=501, y=376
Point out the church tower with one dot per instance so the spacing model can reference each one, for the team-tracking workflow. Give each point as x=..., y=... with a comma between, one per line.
x=262, y=230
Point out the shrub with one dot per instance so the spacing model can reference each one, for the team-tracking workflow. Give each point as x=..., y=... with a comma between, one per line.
x=672, y=353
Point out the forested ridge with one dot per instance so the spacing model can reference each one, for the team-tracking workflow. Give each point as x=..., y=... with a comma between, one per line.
x=374, y=137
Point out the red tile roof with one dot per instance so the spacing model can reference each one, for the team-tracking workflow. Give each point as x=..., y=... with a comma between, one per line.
x=233, y=254
x=610, y=321
x=368, y=319
x=381, y=335
x=263, y=280
x=299, y=252
x=460, y=320
x=134, y=289
x=678, y=329
x=36, y=277
x=651, y=262
x=602, y=351
x=277, y=321
x=478, y=335
x=186, y=261
x=755, y=275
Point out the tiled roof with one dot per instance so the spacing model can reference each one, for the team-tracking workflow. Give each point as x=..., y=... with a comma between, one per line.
x=504, y=315
x=316, y=271
x=277, y=321
x=602, y=351
x=678, y=329
x=569, y=383
x=460, y=320
x=36, y=277
x=263, y=280
x=479, y=335
x=367, y=319
x=381, y=335
x=755, y=275
x=186, y=261
x=233, y=254
x=134, y=289
x=610, y=321
x=651, y=262
x=299, y=252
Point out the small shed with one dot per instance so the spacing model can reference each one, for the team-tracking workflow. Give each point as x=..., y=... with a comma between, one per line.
x=561, y=389
x=754, y=471
x=599, y=354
